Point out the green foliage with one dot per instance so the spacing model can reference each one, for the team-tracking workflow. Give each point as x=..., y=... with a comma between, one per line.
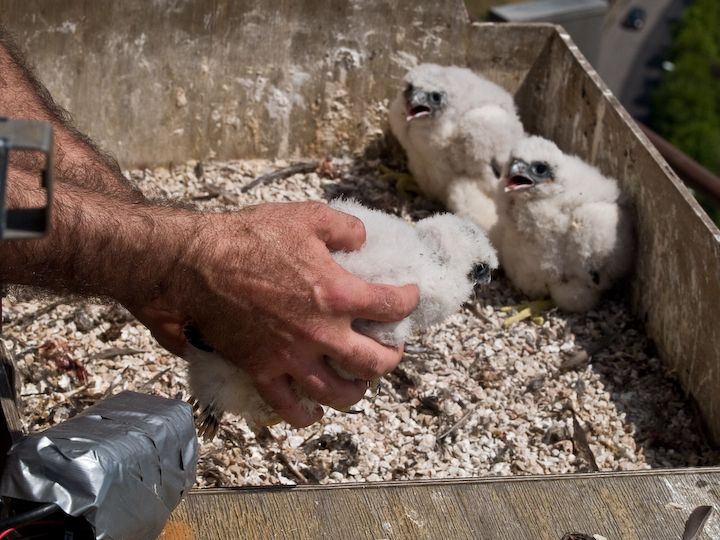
x=686, y=104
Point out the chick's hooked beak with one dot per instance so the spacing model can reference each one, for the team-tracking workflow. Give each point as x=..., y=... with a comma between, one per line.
x=523, y=176
x=518, y=177
x=416, y=105
x=419, y=103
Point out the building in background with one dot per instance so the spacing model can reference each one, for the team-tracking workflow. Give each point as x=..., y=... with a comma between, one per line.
x=582, y=19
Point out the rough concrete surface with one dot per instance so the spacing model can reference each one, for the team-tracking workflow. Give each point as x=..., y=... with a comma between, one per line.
x=172, y=80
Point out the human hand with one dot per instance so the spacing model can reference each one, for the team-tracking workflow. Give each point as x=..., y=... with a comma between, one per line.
x=262, y=288
x=165, y=324
x=259, y=284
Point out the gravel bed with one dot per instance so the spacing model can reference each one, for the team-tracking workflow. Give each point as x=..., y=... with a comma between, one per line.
x=470, y=398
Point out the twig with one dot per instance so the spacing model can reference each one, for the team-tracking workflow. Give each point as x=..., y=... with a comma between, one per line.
x=293, y=469
x=475, y=308
x=30, y=317
x=232, y=168
x=456, y=425
x=280, y=174
x=112, y=352
x=118, y=378
x=205, y=196
x=311, y=437
x=212, y=192
x=581, y=443
x=75, y=391
x=153, y=379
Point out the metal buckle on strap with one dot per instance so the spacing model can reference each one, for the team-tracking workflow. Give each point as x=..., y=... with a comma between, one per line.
x=33, y=135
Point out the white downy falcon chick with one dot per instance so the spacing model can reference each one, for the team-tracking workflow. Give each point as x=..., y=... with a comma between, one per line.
x=453, y=123
x=563, y=230
x=445, y=255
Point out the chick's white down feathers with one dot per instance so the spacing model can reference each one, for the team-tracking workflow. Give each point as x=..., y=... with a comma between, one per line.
x=443, y=255
x=563, y=230
x=452, y=123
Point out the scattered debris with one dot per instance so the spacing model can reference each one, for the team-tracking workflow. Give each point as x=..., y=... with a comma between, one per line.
x=29, y=317
x=496, y=396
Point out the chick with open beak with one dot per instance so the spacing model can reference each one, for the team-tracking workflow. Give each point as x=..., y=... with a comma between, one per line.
x=420, y=103
x=564, y=228
x=522, y=175
x=453, y=123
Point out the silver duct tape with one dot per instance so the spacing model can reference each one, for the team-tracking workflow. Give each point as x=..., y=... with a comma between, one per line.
x=123, y=464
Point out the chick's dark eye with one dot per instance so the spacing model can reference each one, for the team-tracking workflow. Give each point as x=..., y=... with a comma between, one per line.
x=435, y=97
x=540, y=169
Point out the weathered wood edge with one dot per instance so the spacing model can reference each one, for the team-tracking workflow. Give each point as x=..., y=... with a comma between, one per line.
x=10, y=419
x=659, y=473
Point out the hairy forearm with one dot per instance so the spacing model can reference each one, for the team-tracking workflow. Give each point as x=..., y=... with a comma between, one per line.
x=97, y=244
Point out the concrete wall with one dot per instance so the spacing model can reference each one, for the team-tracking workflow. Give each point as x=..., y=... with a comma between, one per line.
x=170, y=80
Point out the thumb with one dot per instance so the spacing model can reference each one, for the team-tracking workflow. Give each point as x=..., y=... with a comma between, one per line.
x=340, y=231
